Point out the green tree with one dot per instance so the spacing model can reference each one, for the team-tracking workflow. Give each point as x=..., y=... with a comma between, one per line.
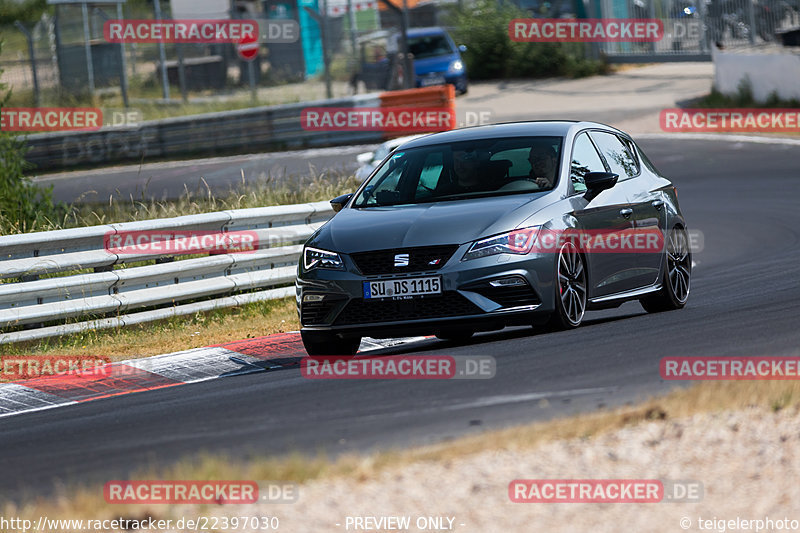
x=491, y=54
x=25, y=11
x=23, y=205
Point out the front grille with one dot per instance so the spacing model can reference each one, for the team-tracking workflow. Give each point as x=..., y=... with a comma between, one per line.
x=419, y=259
x=314, y=313
x=450, y=304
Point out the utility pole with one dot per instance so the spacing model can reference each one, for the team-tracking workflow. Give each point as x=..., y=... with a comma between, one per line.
x=322, y=19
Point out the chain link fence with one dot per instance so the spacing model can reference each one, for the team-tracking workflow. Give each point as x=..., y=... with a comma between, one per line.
x=29, y=59
x=65, y=59
x=693, y=27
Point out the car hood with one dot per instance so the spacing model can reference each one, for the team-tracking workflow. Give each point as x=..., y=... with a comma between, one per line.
x=433, y=64
x=453, y=222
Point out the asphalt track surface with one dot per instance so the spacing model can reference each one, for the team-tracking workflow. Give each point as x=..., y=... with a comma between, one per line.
x=742, y=196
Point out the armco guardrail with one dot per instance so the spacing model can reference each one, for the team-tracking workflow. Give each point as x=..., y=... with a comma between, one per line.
x=50, y=281
x=268, y=128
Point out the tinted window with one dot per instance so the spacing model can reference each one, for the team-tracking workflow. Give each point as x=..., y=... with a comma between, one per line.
x=617, y=155
x=429, y=46
x=484, y=167
x=430, y=175
x=585, y=159
x=384, y=190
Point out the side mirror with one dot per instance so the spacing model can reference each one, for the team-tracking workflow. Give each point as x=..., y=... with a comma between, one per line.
x=339, y=202
x=462, y=48
x=365, y=158
x=596, y=182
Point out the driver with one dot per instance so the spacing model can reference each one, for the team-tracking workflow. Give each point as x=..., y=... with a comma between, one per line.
x=466, y=170
x=543, y=160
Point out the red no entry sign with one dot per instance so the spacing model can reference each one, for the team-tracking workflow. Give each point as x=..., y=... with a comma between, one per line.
x=248, y=47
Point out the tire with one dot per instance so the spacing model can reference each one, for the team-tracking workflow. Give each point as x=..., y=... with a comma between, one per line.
x=455, y=335
x=677, y=275
x=570, y=289
x=321, y=343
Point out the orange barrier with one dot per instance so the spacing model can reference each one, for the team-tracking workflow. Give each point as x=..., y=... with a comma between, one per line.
x=438, y=97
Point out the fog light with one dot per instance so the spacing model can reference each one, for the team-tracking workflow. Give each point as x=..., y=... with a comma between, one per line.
x=514, y=281
x=313, y=297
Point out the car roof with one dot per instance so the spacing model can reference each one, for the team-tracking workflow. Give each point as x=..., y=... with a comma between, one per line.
x=550, y=128
x=429, y=30
x=401, y=140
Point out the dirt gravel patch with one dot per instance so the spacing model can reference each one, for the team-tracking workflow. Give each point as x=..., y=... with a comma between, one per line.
x=747, y=461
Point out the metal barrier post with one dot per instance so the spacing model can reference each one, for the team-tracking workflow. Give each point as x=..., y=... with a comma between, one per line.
x=88, y=45
x=32, y=53
x=123, y=75
x=162, y=55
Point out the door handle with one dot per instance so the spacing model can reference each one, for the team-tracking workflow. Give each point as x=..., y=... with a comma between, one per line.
x=658, y=204
x=627, y=212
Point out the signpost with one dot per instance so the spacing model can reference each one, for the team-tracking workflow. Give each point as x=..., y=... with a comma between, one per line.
x=248, y=50
x=248, y=47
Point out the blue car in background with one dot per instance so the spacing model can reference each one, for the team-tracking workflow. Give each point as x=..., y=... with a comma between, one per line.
x=437, y=59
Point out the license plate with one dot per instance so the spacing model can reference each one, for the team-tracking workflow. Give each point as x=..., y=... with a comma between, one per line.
x=432, y=80
x=402, y=288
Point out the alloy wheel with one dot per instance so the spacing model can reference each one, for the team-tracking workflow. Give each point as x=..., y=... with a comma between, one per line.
x=572, y=283
x=679, y=264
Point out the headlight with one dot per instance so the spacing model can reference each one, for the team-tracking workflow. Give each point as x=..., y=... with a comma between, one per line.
x=519, y=241
x=315, y=258
x=456, y=66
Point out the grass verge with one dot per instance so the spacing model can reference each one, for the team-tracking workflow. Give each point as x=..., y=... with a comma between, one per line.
x=743, y=99
x=265, y=190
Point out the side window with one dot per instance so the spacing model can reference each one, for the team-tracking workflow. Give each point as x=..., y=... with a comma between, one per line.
x=634, y=154
x=585, y=159
x=617, y=155
x=429, y=177
x=386, y=191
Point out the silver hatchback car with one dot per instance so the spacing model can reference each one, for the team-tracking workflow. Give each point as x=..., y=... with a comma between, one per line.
x=481, y=228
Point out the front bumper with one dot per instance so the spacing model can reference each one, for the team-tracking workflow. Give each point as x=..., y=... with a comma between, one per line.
x=458, y=80
x=468, y=298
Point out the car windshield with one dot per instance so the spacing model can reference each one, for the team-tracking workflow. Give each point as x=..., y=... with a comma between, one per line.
x=430, y=46
x=470, y=169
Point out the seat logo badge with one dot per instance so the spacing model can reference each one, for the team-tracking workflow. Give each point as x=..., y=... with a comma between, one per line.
x=401, y=260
